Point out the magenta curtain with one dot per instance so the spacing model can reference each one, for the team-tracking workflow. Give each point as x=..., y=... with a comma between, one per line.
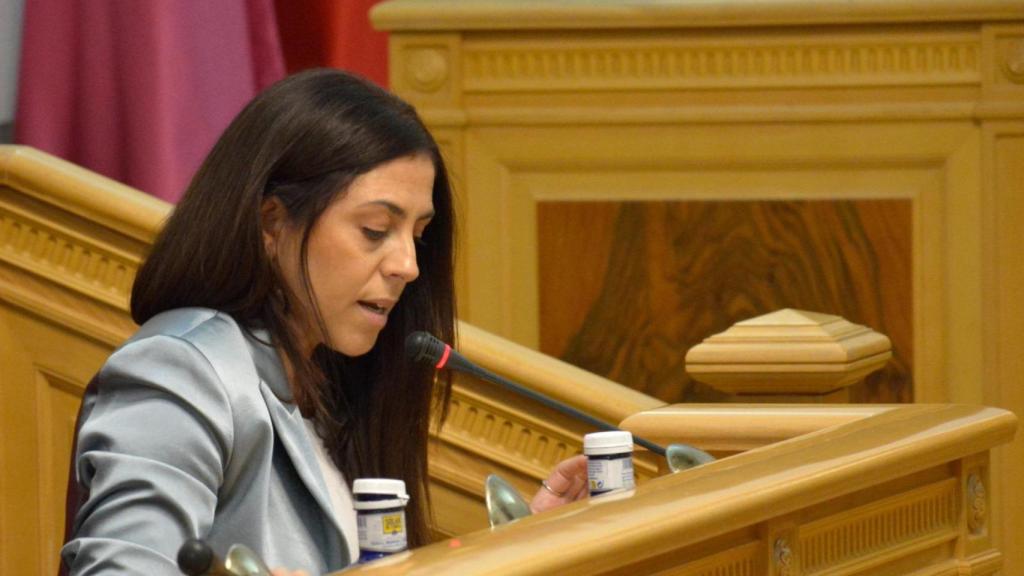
x=138, y=90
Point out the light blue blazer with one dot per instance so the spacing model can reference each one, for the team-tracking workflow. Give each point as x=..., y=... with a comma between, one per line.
x=191, y=432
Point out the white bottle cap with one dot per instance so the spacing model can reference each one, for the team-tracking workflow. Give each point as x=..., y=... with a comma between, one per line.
x=380, y=487
x=384, y=486
x=601, y=443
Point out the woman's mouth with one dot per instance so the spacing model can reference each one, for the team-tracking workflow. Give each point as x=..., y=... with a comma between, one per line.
x=376, y=313
x=380, y=307
x=374, y=307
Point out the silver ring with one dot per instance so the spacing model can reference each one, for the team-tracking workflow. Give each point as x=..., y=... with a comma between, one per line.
x=544, y=484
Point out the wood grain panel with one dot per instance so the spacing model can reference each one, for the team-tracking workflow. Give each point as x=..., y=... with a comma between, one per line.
x=582, y=232
x=668, y=274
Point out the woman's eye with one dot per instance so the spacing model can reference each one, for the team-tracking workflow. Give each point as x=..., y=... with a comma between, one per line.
x=374, y=235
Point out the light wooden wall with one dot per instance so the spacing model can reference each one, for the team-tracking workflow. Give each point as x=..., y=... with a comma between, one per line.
x=558, y=117
x=70, y=242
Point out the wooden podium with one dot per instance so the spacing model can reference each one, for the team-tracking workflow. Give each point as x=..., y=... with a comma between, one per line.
x=638, y=175
x=856, y=491
x=800, y=490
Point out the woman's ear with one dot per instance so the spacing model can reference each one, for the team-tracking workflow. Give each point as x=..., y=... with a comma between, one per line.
x=273, y=218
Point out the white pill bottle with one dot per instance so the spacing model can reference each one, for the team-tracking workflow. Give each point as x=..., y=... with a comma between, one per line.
x=380, y=516
x=609, y=461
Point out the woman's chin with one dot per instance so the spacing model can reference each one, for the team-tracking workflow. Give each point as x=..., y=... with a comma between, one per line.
x=353, y=347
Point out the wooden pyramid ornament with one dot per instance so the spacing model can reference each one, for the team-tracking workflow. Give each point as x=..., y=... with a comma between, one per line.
x=788, y=352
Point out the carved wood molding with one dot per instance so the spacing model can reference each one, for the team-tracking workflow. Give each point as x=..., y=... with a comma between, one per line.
x=97, y=320
x=492, y=430
x=984, y=564
x=66, y=257
x=949, y=59
x=898, y=523
x=444, y=472
x=405, y=15
x=740, y=560
x=488, y=429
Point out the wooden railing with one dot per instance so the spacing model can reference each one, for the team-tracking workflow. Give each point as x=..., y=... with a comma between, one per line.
x=491, y=430
x=855, y=491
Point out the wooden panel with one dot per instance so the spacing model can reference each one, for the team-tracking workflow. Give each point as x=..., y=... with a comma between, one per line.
x=741, y=100
x=1005, y=307
x=575, y=241
x=517, y=170
x=58, y=410
x=18, y=471
x=627, y=287
x=45, y=370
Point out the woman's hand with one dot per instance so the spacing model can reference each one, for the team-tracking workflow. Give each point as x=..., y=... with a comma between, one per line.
x=285, y=572
x=567, y=483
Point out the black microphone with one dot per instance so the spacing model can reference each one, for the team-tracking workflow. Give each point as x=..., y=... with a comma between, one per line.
x=424, y=347
x=196, y=558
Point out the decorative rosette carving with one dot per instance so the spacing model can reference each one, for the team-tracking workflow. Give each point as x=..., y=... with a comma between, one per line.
x=977, y=508
x=1013, y=65
x=783, y=555
x=426, y=69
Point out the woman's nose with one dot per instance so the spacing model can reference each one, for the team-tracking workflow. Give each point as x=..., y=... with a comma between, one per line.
x=401, y=262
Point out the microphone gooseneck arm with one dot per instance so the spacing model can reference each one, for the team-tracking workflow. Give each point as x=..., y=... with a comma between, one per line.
x=423, y=347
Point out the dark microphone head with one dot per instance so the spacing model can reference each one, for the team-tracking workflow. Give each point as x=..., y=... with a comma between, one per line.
x=195, y=557
x=423, y=347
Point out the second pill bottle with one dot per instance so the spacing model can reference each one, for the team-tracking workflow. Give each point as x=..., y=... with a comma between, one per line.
x=609, y=461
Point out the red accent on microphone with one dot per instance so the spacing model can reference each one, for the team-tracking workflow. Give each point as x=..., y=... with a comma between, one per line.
x=444, y=357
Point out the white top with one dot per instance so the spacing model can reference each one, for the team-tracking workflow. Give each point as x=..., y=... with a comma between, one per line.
x=341, y=496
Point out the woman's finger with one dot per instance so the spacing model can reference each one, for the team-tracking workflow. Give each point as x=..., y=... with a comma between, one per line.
x=566, y=483
x=568, y=473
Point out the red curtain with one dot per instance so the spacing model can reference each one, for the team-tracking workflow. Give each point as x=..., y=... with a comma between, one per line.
x=333, y=33
x=139, y=91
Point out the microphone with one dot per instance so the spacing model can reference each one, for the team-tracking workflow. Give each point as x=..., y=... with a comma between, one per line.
x=196, y=558
x=424, y=347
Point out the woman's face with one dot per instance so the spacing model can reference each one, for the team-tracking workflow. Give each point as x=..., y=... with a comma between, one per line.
x=361, y=252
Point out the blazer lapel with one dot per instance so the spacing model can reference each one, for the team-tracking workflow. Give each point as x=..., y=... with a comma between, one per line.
x=289, y=425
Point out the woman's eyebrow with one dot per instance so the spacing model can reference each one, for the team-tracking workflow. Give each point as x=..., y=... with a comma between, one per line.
x=398, y=210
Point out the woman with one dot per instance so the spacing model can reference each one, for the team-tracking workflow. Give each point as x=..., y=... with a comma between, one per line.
x=268, y=372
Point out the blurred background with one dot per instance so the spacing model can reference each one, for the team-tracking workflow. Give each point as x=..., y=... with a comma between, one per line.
x=138, y=91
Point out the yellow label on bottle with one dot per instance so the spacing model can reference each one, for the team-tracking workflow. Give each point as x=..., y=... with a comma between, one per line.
x=393, y=523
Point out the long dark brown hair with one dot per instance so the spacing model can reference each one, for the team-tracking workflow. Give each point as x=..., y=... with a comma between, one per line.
x=303, y=141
